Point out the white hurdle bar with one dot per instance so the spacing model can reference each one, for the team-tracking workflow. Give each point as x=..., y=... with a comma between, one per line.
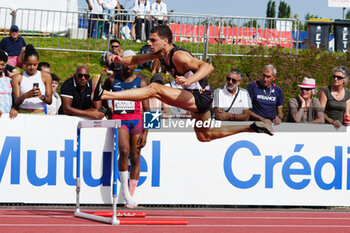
x=99, y=124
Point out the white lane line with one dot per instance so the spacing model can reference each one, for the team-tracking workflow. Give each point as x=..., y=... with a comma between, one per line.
x=106, y=225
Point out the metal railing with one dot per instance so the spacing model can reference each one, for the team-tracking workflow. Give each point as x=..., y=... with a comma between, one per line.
x=202, y=35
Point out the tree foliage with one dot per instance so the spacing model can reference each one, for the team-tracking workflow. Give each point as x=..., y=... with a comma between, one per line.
x=270, y=13
x=347, y=16
x=283, y=10
x=271, y=9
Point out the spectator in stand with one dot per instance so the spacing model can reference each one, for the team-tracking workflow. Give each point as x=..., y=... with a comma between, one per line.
x=159, y=13
x=53, y=108
x=141, y=8
x=6, y=93
x=108, y=13
x=76, y=96
x=132, y=135
x=32, y=89
x=267, y=98
x=44, y=66
x=305, y=108
x=110, y=66
x=95, y=14
x=335, y=98
x=14, y=46
x=232, y=103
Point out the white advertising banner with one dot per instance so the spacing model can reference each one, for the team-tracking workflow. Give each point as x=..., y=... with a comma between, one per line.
x=302, y=167
x=338, y=3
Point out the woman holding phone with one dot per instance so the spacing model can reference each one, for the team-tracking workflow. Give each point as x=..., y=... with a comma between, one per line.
x=33, y=88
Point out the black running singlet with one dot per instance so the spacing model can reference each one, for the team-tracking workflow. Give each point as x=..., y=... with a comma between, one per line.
x=201, y=84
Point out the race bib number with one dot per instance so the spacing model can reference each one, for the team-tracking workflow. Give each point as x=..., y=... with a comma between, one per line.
x=124, y=107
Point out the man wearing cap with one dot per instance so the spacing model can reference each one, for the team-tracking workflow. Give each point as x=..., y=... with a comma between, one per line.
x=267, y=98
x=132, y=135
x=14, y=46
x=305, y=108
x=232, y=103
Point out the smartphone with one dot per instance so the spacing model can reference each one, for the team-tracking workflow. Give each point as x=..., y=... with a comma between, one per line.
x=35, y=85
x=103, y=110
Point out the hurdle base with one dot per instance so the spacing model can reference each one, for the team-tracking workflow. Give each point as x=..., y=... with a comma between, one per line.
x=113, y=220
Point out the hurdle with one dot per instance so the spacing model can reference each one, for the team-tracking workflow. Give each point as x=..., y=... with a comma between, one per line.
x=115, y=124
x=111, y=217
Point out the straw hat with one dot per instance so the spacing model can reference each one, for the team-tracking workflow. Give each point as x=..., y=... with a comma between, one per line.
x=308, y=83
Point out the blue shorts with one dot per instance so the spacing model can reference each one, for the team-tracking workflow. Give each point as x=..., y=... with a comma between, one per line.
x=132, y=126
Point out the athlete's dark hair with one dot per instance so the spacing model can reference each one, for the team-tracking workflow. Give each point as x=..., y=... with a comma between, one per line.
x=43, y=64
x=30, y=51
x=3, y=56
x=163, y=32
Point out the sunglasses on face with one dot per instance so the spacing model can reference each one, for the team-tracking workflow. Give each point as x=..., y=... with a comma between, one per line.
x=87, y=76
x=267, y=76
x=338, y=77
x=305, y=89
x=228, y=79
x=115, y=46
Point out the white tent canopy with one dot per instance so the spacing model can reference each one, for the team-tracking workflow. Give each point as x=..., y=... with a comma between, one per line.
x=41, y=15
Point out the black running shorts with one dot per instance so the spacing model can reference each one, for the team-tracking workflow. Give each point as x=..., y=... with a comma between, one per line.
x=203, y=99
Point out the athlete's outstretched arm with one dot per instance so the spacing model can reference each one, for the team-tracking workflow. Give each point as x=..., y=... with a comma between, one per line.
x=135, y=60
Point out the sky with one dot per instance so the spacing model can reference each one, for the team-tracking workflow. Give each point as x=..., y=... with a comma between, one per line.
x=250, y=8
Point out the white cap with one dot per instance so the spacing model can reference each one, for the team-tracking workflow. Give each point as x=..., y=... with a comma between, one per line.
x=128, y=53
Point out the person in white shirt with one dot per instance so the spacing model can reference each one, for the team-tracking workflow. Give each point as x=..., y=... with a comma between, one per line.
x=141, y=8
x=95, y=13
x=159, y=13
x=108, y=14
x=232, y=103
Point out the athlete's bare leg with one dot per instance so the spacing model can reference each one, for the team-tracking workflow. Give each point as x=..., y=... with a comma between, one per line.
x=205, y=134
x=124, y=151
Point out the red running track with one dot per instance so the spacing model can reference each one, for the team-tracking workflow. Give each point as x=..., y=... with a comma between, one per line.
x=199, y=220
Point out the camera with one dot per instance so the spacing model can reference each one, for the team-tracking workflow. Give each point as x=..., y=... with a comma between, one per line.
x=35, y=85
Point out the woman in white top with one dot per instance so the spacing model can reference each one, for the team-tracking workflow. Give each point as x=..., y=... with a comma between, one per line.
x=32, y=89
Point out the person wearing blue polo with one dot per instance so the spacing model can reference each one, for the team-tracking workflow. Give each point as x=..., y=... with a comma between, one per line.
x=267, y=98
x=14, y=45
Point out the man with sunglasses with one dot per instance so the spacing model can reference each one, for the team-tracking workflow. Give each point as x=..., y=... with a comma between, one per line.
x=267, y=97
x=232, y=103
x=110, y=66
x=76, y=96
